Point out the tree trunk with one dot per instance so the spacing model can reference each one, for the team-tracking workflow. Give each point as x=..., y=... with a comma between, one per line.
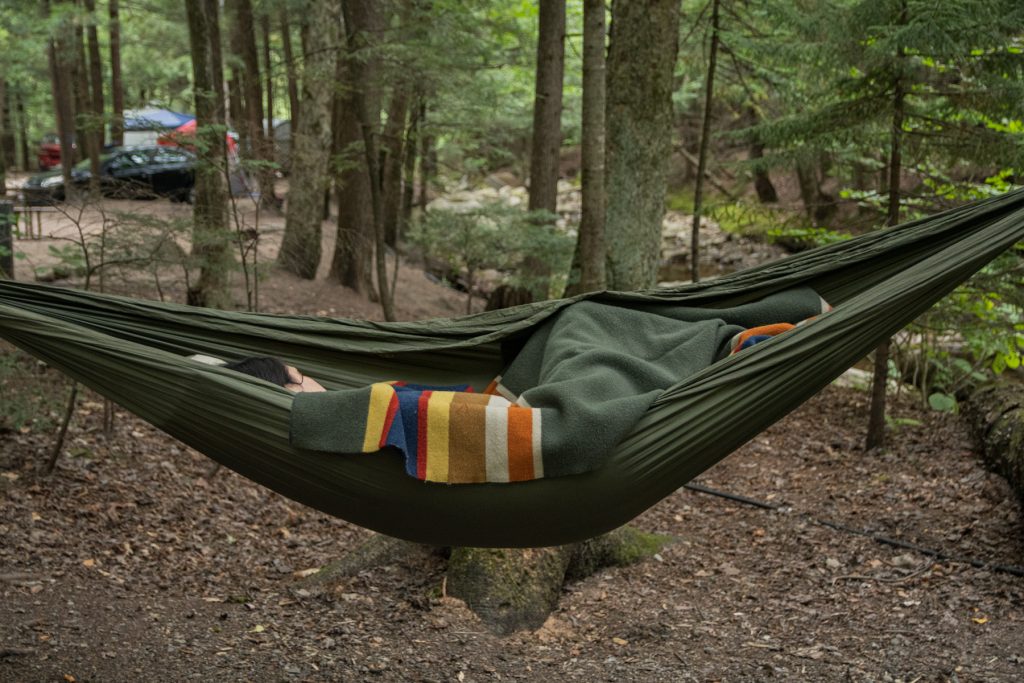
x=116, y=84
x=394, y=149
x=428, y=159
x=4, y=127
x=352, y=262
x=80, y=92
x=409, y=172
x=766, y=193
x=702, y=154
x=211, y=238
x=59, y=57
x=268, y=82
x=24, y=163
x=547, y=107
x=591, y=238
x=235, y=104
x=515, y=589
x=254, y=141
x=641, y=63
x=291, y=70
x=300, y=247
x=996, y=414
x=95, y=127
x=363, y=24
x=876, y=417
x=808, y=187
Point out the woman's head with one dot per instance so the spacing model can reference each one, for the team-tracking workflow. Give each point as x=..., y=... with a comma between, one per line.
x=275, y=371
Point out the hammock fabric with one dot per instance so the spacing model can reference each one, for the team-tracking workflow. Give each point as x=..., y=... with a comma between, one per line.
x=577, y=387
x=135, y=352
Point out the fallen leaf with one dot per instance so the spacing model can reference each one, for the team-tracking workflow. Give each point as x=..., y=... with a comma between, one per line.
x=89, y=563
x=303, y=573
x=809, y=652
x=36, y=516
x=69, y=678
x=980, y=620
x=620, y=641
x=259, y=628
x=11, y=476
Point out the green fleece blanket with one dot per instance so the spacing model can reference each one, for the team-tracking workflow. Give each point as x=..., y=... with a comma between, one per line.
x=577, y=387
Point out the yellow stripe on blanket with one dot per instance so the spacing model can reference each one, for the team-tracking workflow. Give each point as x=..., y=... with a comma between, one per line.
x=438, y=413
x=376, y=415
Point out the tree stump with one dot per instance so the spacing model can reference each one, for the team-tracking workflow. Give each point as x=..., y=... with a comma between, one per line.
x=510, y=589
x=996, y=414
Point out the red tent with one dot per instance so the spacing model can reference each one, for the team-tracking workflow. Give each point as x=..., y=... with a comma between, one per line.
x=184, y=136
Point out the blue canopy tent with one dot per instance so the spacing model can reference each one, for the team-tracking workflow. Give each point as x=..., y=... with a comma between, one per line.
x=153, y=118
x=144, y=126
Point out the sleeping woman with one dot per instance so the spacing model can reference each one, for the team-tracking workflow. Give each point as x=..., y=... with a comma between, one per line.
x=577, y=386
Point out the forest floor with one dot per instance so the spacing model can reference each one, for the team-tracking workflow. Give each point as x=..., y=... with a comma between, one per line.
x=134, y=562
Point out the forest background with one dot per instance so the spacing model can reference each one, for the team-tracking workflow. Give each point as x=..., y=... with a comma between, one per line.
x=794, y=123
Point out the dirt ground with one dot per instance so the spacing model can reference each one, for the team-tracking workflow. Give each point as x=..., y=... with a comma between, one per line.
x=133, y=562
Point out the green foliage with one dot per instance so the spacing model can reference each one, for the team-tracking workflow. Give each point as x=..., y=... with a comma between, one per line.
x=801, y=238
x=976, y=332
x=499, y=237
x=941, y=402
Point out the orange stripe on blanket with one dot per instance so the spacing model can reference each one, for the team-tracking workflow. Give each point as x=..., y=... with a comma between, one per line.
x=763, y=330
x=381, y=395
x=520, y=444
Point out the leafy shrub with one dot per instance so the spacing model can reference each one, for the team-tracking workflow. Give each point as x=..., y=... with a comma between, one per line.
x=500, y=237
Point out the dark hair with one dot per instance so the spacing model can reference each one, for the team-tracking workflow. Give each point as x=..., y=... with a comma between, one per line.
x=264, y=367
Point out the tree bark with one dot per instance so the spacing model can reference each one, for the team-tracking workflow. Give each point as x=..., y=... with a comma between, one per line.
x=641, y=63
x=95, y=122
x=702, y=154
x=291, y=70
x=409, y=172
x=591, y=236
x=766, y=193
x=116, y=82
x=300, y=247
x=428, y=158
x=58, y=54
x=352, y=261
x=23, y=147
x=4, y=127
x=268, y=82
x=394, y=150
x=515, y=589
x=80, y=92
x=547, y=107
x=254, y=141
x=876, y=417
x=210, y=235
x=363, y=25
x=996, y=415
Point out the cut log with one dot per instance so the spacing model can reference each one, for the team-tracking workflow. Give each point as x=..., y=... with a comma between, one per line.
x=996, y=414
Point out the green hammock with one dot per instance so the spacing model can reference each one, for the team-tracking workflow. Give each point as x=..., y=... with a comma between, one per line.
x=135, y=352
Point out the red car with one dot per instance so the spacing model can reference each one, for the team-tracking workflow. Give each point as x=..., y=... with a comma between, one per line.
x=49, y=152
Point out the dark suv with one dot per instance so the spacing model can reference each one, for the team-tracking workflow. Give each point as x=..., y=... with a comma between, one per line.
x=125, y=172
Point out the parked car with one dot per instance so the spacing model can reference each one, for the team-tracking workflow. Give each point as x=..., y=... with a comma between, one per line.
x=48, y=154
x=126, y=172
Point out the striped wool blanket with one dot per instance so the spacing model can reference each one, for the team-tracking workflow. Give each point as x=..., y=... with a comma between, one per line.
x=577, y=387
